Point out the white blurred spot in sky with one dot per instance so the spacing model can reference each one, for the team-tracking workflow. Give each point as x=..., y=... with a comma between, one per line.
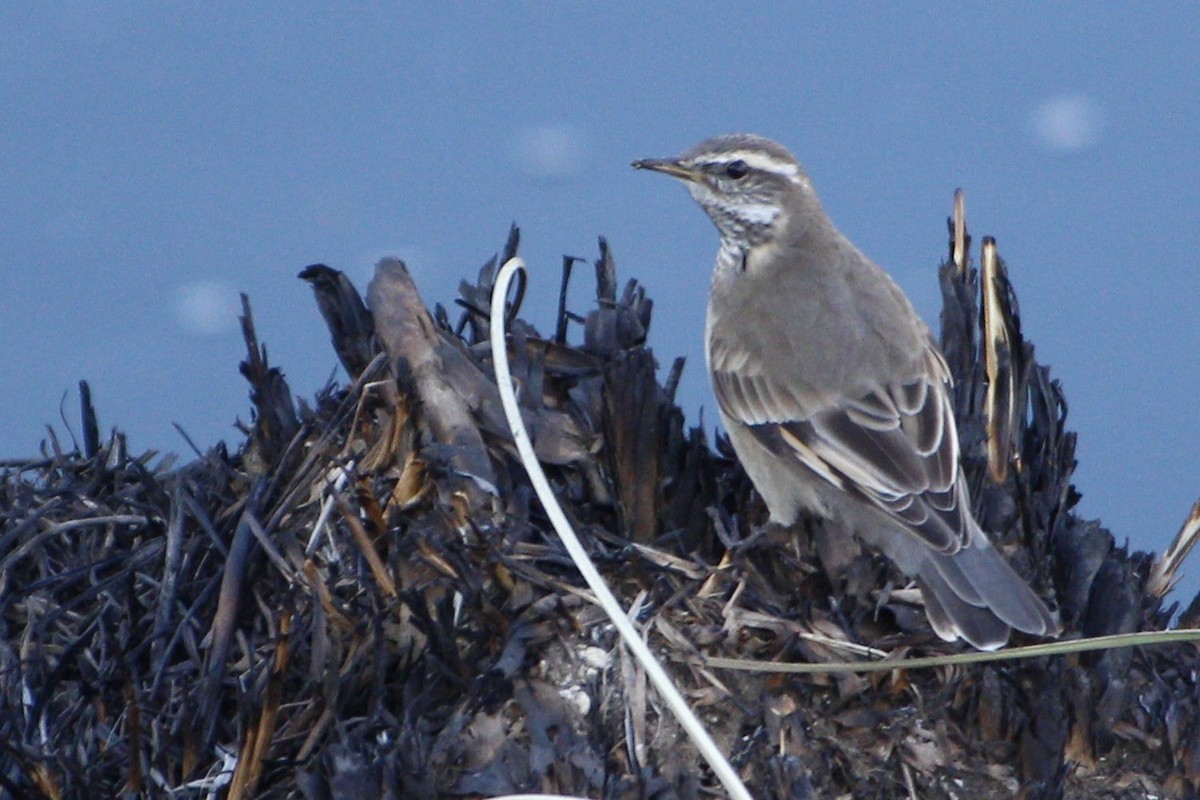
x=206, y=308
x=1067, y=123
x=553, y=150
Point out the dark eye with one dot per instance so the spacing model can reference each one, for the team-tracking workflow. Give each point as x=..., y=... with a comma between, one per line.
x=737, y=170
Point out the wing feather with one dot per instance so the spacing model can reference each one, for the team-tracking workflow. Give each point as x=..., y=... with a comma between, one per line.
x=894, y=446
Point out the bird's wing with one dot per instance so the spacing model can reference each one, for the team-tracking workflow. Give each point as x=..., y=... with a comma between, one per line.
x=894, y=447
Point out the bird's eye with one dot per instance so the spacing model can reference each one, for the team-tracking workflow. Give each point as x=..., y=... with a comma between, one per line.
x=737, y=170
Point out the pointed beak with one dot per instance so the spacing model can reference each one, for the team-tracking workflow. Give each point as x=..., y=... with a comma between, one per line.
x=668, y=166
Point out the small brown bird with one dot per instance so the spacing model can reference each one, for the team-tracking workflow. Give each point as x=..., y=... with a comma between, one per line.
x=833, y=391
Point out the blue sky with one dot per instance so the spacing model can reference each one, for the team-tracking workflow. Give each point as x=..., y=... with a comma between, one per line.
x=158, y=158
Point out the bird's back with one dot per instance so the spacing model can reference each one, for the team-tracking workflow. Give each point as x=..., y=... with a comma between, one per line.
x=789, y=311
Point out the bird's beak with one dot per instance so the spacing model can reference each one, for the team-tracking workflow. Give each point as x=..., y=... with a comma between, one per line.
x=668, y=166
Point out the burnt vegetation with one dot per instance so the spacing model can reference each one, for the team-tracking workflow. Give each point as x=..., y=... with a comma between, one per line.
x=365, y=600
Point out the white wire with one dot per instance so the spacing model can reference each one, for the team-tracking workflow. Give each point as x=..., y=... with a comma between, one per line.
x=666, y=687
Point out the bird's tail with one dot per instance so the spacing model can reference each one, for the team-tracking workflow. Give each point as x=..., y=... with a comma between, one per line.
x=975, y=595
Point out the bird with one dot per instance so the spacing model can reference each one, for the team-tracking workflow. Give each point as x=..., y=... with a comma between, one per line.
x=834, y=393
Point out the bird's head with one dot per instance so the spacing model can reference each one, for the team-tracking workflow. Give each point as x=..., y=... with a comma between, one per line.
x=749, y=186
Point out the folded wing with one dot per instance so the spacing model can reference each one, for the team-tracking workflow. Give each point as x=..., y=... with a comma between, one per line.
x=895, y=446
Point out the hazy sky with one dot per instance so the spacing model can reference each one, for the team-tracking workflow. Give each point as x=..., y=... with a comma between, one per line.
x=158, y=158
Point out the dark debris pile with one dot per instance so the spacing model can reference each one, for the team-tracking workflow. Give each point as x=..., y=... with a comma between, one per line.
x=365, y=600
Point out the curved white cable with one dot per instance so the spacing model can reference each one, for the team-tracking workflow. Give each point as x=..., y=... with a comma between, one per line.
x=666, y=687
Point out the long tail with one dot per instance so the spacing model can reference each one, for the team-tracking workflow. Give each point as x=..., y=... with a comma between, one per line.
x=975, y=595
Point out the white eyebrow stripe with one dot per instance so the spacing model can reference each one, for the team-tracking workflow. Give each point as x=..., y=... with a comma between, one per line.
x=757, y=159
